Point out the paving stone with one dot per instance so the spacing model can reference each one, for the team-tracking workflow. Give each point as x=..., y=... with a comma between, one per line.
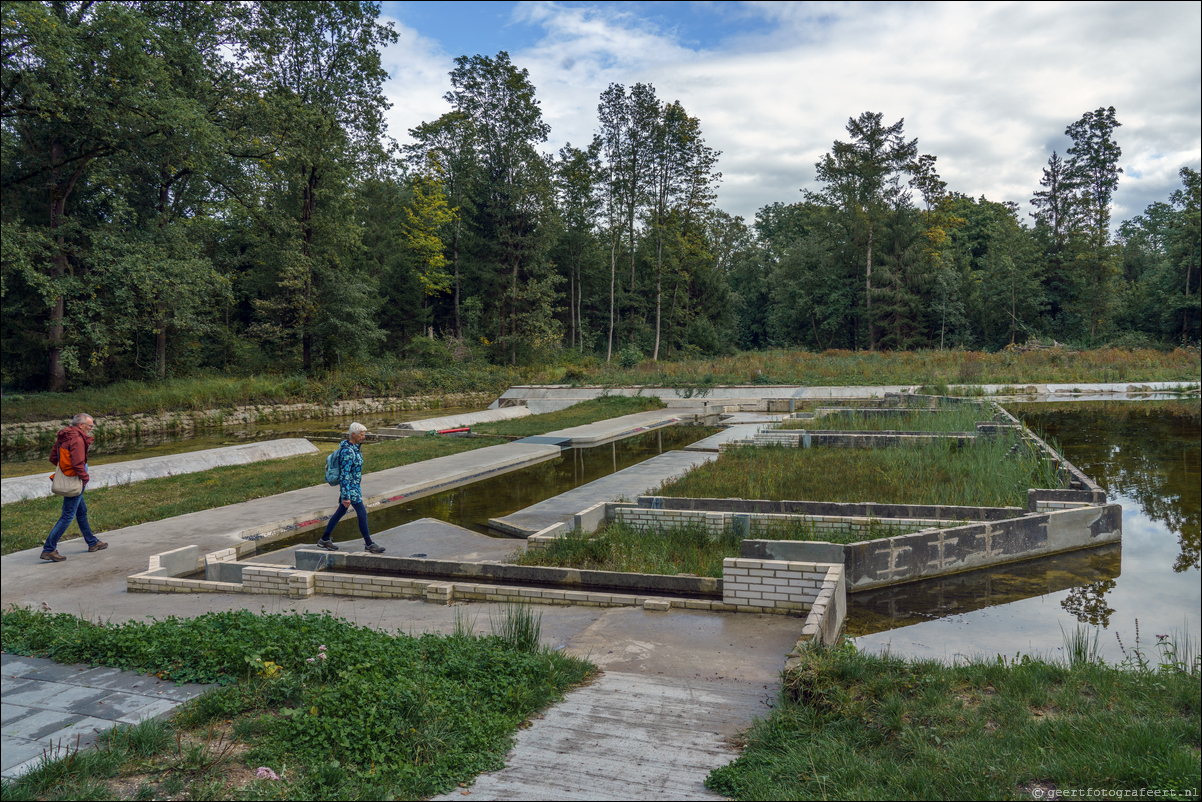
x=11, y=714
x=55, y=696
x=41, y=724
x=15, y=751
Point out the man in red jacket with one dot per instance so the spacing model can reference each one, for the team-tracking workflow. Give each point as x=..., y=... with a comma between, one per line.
x=70, y=453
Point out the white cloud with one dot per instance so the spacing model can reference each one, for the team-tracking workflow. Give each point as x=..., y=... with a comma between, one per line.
x=989, y=89
x=418, y=78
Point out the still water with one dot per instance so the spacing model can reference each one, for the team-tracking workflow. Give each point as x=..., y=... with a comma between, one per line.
x=1147, y=457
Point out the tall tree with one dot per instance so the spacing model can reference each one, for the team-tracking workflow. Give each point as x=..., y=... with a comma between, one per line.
x=514, y=193
x=1093, y=164
x=862, y=178
x=577, y=174
x=444, y=150
x=317, y=67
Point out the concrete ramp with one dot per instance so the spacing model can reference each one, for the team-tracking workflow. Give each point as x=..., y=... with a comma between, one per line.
x=629, y=484
x=136, y=470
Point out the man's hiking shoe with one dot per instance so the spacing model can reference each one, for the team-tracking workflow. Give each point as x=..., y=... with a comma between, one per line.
x=99, y=545
x=326, y=544
x=375, y=548
x=52, y=556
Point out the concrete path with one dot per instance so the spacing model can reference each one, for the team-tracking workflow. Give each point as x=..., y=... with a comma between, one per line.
x=591, y=434
x=50, y=709
x=136, y=470
x=27, y=579
x=629, y=484
x=741, y=431
x=625, y=736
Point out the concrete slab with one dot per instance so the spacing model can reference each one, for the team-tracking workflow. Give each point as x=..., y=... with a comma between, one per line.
x=466, y=419
x=428, y=537
x=630, y=483
x=57, y=707
x=742, y=431
x=623, y=426
x=137, y=470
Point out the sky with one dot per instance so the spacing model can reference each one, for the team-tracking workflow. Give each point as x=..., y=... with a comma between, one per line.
x=987, y=88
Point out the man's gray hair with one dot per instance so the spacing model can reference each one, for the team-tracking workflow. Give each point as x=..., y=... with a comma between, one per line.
x=81, y=418
x=355, y=428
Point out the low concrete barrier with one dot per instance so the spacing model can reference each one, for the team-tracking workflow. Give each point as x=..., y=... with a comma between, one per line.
x=137, y=470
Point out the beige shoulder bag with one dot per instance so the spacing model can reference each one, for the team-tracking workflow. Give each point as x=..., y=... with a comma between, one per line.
x=63, y=485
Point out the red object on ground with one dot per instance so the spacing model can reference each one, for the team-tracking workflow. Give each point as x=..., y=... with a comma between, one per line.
x=453, y=431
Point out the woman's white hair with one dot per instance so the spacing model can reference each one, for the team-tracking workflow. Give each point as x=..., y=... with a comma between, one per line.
x=355, y=428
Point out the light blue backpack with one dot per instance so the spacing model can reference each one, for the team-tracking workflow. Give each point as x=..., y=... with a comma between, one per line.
x=333, y=464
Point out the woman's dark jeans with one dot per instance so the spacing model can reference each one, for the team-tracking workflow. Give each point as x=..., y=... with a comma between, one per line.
x=360, y=515
x=73, y=508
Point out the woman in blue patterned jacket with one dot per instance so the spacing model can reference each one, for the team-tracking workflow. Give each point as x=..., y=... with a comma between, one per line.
x=350, y=474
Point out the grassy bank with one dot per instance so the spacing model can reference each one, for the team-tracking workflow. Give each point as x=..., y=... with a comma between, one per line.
x=694, y=376
x=979, y=474
x=857, y=726
x=332, y=709
x=597, y=409
x=26, y=523
x=957, y=418
x=672, y=550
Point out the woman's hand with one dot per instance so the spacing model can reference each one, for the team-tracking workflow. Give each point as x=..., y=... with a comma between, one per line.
x=346, y=503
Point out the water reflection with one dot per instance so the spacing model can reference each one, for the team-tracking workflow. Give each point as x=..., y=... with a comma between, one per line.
x=1147, y=457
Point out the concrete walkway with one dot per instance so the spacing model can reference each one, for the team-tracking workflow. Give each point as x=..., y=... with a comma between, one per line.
x=629, y=483
x=626, y=736
x=26, y=579
x=50, y=708
x=137, y=470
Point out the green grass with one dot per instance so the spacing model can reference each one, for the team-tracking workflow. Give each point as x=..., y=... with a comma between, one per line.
x=27, y=523
x=955, y=418
x=597, y=409
x=693, y=376
x=672, y=550
x=850, y=725
x=977, y=474
x=381, y=717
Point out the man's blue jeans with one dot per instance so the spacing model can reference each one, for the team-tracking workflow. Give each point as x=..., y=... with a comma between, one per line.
x=360, y=515
x=74, y=508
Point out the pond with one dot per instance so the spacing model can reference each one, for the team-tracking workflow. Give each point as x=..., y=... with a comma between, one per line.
x=1147, y=457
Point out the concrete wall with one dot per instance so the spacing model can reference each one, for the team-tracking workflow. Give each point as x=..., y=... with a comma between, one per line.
x=909, y=558
x=940, y=512
x=764, y=525
x=137, y=470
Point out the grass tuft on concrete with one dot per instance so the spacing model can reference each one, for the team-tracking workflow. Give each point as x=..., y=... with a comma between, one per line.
x=850, y=725
x=328, y=709
x=957, y=418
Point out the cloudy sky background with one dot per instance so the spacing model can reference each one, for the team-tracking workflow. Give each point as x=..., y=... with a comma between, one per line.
x=988, y=88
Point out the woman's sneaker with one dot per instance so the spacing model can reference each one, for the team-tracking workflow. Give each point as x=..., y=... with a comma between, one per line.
x=375, y=548
x=327, y=544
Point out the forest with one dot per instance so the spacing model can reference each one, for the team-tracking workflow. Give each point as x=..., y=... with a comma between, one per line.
x=193, y=189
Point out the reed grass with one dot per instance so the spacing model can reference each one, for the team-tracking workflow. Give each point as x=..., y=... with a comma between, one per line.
x=27, y=523
x=671, y=550
x=957, y=418
x=980, y=473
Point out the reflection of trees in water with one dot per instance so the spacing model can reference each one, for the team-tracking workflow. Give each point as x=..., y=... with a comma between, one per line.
x=1149, y=452
x=1088, y=603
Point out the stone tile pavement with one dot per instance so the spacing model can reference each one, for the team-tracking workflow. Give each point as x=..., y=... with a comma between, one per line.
x=48, y=708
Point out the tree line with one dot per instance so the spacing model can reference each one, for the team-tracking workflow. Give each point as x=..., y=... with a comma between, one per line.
x=210, y=187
